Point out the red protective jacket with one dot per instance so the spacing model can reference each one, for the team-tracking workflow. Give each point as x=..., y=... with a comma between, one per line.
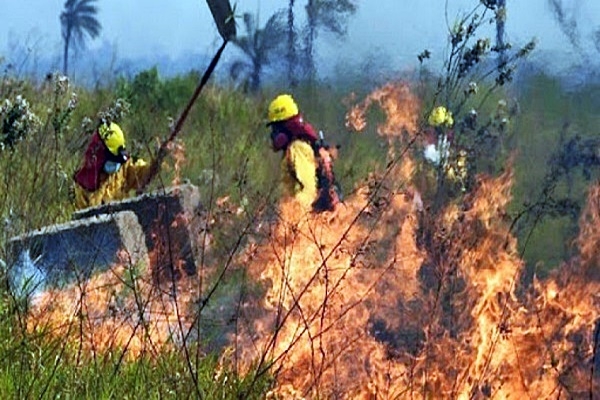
x=89, y=176
x=284, y=132
x=94, y=186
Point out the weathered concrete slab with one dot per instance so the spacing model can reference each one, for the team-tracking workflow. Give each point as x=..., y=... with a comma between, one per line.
x=170, y=221
x=74, y=250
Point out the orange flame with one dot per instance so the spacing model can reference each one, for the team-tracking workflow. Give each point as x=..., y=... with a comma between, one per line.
x=398, y=102
x=386, y=299
x=357, y=308
x=177, y=152
x=137, y=309
x=118, y=310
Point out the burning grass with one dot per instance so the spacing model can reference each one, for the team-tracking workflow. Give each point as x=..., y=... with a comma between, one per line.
x=387, y=301
x=122, y=309
x=386, y=298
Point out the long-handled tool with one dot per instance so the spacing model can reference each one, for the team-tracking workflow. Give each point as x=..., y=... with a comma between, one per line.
x=223, y=15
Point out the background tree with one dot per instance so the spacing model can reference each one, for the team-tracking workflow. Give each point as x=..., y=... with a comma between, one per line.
x=291, y=54
x=78, y=20
x=259, y=46
x=567, y=21
x=328, y=15
x=596, y=39
x=500, y=24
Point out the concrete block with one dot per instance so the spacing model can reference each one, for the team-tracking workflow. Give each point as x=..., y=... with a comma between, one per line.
x=170, y=220
x=63, y=253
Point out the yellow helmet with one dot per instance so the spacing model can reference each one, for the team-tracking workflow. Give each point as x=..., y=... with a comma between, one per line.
x=112, y=136
x=440, y=116
x=282, y=108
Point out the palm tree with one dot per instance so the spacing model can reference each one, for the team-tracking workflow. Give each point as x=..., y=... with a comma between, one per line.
x=77, y=20
x=259, y=46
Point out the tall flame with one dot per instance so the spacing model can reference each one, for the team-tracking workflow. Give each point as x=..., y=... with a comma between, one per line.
x=177, y=152
x=388, y=299
x=399, y=104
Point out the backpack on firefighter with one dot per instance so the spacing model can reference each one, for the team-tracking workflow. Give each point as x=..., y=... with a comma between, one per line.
x=329, y=191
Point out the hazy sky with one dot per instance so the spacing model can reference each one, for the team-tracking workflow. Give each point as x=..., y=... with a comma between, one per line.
x=398, y=28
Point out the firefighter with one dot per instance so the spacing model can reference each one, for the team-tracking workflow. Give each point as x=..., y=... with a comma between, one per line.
x=438, y=137
x=306, y=174
x=107, y=173
x=438, y=147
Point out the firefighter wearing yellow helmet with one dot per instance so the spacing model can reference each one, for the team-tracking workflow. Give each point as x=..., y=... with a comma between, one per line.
x=107, y=173
x=456, y=167
x=306, y=174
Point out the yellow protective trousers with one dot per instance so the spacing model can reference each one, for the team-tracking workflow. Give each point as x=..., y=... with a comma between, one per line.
x=299, y=173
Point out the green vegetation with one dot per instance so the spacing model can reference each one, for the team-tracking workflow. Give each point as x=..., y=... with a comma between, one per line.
x=224, y=150
x=33, y=366
x=549, y=171
x=46, y=128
